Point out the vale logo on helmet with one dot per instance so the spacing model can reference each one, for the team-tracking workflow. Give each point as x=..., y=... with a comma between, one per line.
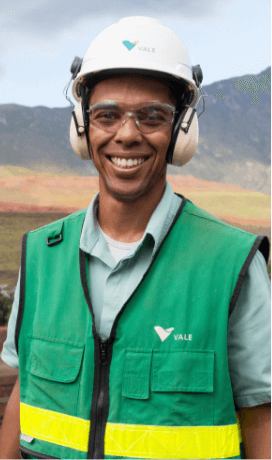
x=130, y=45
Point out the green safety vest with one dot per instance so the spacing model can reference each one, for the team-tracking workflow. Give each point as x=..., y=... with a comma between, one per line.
x=159, y=387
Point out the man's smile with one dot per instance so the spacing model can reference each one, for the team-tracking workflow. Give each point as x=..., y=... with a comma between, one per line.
x=128, y=162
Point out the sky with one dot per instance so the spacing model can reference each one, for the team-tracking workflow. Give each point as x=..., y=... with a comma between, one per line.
x=39, y=39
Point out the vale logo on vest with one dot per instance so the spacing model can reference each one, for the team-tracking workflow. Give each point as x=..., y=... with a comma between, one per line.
x=164, y=333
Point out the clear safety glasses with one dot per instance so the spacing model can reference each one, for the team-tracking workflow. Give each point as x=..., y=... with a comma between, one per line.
x=110, y=115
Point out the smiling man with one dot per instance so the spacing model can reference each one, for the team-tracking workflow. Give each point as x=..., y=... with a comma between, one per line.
x=140, y=325
x=117, y=143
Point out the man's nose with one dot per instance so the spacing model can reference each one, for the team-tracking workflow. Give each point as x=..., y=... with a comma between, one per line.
x=128, y=131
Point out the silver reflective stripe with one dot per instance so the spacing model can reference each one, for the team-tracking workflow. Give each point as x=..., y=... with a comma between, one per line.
x=27, y=438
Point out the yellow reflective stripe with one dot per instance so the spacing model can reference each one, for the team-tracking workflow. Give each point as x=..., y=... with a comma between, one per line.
x=55, y=427
x=140, y=441
x=171, y=442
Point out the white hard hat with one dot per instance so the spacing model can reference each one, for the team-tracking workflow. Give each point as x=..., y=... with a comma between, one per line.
x=143, y=46
x=138, y=43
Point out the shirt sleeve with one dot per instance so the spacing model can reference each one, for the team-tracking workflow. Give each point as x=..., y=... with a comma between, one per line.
x=9, y=354
x=249, y=349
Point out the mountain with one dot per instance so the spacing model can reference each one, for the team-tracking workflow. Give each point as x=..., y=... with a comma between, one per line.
x=234, y=142
x=234, y=133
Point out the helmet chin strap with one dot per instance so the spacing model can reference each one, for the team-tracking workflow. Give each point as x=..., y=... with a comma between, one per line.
x=176, y=128
x=85, y=101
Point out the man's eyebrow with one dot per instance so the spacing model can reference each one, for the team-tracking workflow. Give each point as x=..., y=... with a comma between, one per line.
x=111, y=103
x=153, y=106
x=107, y=104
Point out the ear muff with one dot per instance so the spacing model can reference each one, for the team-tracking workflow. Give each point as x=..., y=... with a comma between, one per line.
x=78, y=137
x=185, y=146
x=186, y=143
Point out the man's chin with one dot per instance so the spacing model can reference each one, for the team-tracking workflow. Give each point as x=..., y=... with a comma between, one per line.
x=127, y=194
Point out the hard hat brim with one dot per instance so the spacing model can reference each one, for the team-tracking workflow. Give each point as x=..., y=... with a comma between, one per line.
x=174, y=82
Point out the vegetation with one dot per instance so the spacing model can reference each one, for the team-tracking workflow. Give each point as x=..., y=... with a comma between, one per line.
x=12, y=228
x=5, y=310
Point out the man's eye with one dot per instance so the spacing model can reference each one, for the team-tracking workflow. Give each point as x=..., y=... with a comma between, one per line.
x=152, y=116
x=155, y=116
x=105, y=116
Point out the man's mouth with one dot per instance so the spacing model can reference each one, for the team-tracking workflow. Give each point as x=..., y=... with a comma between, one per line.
x=127, y=162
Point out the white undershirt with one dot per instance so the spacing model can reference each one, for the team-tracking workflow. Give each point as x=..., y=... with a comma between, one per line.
x=118, y=249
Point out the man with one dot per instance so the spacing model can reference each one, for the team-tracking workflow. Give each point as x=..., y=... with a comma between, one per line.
x=144, y=345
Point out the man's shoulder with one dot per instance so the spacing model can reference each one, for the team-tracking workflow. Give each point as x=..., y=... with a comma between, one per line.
x=58, y=224
x=204, y=225
x=210, y=222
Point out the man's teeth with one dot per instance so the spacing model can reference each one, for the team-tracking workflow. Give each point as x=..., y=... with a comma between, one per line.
x=127, y=163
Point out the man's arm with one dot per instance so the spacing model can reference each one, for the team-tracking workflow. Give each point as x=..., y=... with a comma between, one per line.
x=10, y=432
x=256, y=431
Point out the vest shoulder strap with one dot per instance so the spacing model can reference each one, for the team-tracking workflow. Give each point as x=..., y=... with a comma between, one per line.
x=46, y=236
x=260, y=243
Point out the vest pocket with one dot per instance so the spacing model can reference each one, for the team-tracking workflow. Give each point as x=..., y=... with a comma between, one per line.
x=183, y=382
x=53, y=367
x=185, y=371
x=136, y=379
x=171, y=387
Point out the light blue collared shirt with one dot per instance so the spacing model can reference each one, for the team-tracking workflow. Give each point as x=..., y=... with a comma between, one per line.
x=111, y=285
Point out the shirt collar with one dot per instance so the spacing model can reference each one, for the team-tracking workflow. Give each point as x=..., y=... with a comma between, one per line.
x=90, y=231
x=157, y=226
x=162, y=217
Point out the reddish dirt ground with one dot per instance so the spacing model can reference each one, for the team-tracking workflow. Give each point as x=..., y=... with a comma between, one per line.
x=70, y=193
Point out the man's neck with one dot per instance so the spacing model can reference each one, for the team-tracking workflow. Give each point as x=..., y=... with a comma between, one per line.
x=126, y=220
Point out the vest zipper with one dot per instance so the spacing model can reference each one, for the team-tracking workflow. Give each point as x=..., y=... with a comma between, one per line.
x=103, y=355
x=106, y=354
x=101, y=413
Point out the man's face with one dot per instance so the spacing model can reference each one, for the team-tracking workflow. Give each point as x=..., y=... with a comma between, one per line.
x=123, y=182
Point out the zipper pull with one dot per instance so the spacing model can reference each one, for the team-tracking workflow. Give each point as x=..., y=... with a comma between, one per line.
x=103, y=351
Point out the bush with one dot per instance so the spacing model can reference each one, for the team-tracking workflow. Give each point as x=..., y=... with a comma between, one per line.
x=5, y=309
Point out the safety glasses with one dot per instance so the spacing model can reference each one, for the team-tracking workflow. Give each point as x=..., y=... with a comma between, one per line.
x=110, y=115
